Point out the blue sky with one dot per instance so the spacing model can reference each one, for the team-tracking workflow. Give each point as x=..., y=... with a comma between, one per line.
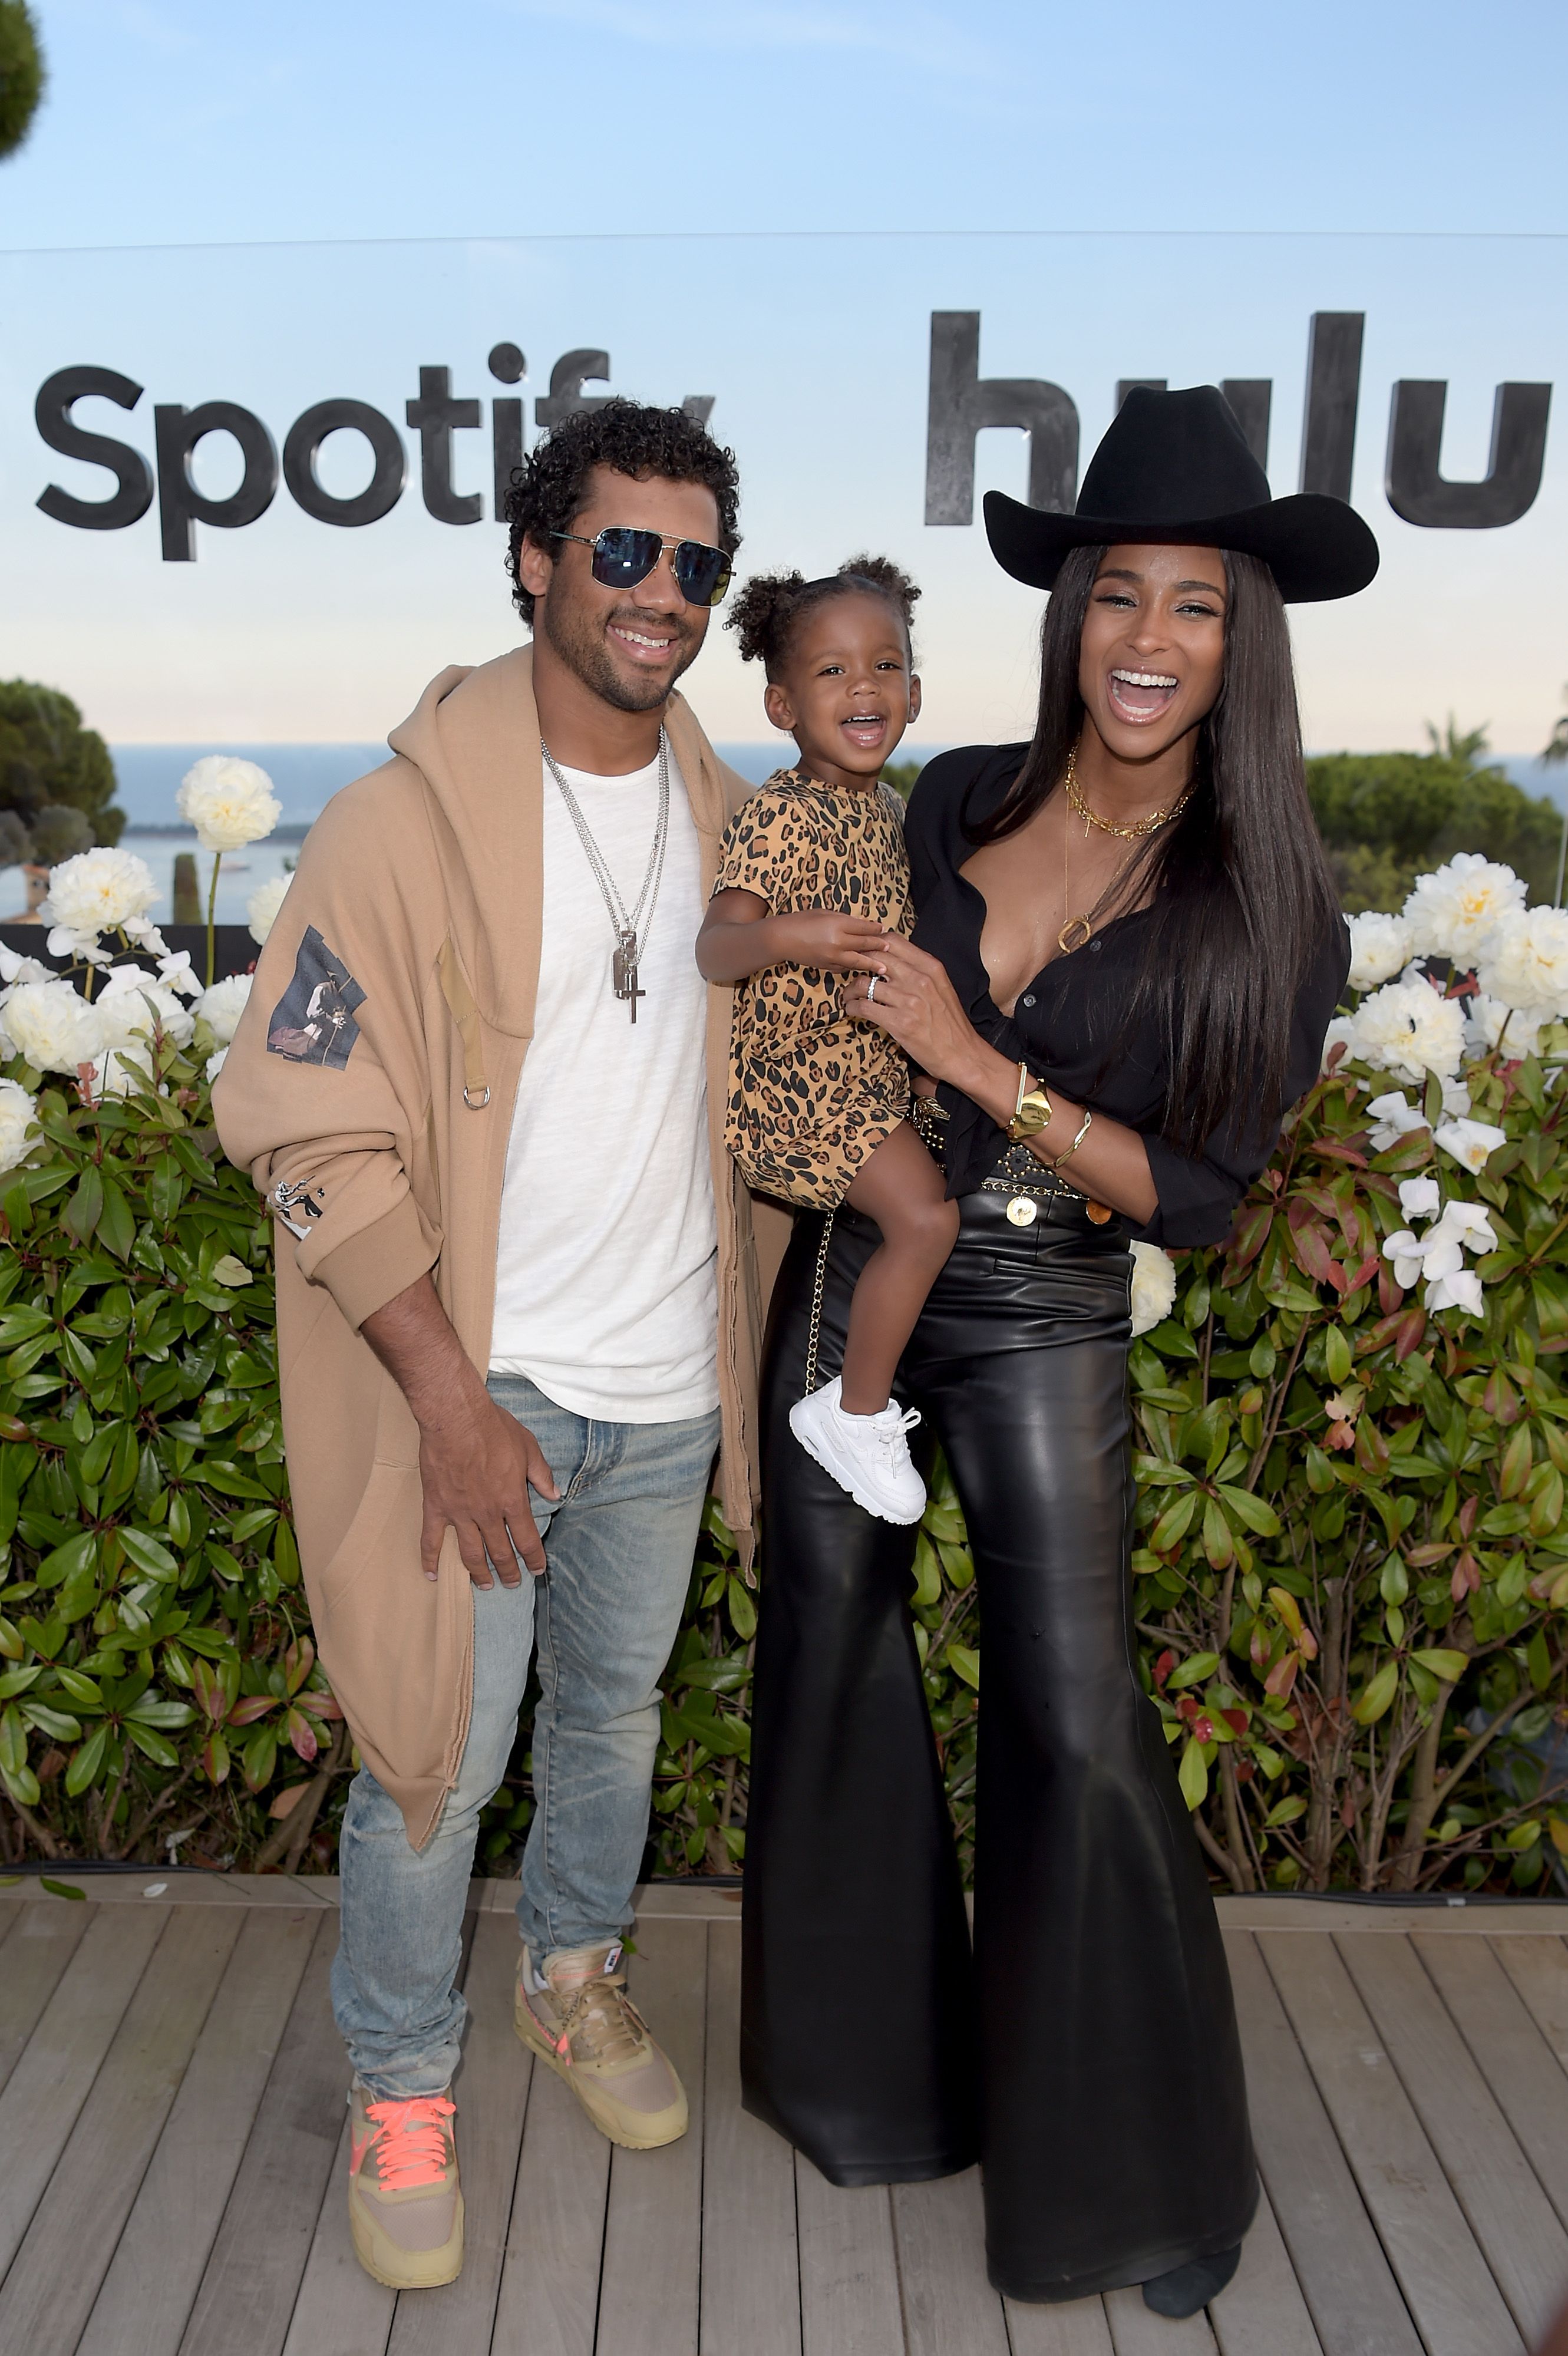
x=170, y=119
x=767, y=204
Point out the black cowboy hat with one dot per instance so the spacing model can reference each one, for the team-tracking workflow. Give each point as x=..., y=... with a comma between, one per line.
x=1174, y=469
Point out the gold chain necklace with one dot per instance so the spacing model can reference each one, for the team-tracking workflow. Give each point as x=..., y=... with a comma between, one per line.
x=1150, y=825
x=1079, y=930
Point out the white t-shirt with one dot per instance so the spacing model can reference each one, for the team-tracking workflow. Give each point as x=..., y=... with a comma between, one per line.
x=606, y=1292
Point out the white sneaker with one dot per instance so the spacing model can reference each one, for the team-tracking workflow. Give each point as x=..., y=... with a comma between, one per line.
x=867, y=1454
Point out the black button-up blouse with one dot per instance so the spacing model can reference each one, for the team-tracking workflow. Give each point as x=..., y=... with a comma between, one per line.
x=1063, y=1018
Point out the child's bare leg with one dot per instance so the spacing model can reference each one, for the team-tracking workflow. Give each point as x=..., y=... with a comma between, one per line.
x=900, y=1187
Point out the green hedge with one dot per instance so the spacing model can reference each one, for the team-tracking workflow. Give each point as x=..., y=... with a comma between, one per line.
x=1352, y=1620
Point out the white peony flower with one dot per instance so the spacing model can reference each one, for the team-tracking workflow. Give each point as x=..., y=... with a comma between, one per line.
x=176, y=972
x=52, y=1025
x=1393, y=1116
x=17, y=1110
x=1525, y=963
x=1460, y=1290
x=97, y=892
x=131, y=1006
x=222, y=1006
x=1409, y=1029
x=1341, y=1033
x=261, y=908
x=1472, y=1143
x=1380, y=948
x=1154, y=1286
x=1419, y=1198
x=126, y=1065
x=215, y=1062
x=15, y=967
x=230, y=802
x=1490, y=1024
x=1451, y=911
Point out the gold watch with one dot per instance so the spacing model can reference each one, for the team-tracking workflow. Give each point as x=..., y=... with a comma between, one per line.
x=1032, y=1111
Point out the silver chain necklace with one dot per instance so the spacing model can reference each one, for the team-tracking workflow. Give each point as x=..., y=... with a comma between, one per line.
x=626, y=928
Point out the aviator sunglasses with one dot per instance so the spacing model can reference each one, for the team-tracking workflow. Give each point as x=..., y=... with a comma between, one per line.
x=623, y=555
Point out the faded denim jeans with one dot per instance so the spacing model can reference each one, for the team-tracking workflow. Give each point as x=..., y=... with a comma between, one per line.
x=619, y=1547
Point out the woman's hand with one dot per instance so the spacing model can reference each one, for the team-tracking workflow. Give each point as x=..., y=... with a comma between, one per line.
x=915, y=1004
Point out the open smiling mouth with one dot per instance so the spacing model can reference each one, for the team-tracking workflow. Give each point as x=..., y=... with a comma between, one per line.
x=866, y=729
x=1141, y=695
x=643, y=645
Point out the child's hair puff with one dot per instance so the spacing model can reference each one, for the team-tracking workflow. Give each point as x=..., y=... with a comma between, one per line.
x=764, y=615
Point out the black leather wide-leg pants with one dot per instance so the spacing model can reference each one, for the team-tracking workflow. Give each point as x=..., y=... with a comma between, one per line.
x=1087, y=2053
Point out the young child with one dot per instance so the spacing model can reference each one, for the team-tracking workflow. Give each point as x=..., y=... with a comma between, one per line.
x=812, y=877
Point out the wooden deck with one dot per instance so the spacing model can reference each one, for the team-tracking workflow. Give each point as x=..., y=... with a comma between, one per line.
x=172, y=2125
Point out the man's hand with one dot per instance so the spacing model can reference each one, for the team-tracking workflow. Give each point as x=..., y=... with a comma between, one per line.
x=476, y=1465
x=475, y=1461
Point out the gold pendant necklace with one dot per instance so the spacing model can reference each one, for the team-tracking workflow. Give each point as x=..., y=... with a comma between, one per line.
x=1077, y=931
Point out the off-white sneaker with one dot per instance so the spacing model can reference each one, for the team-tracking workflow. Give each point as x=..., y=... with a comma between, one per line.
x=867, y=1454
x=405, y=2208
x=576, y=2016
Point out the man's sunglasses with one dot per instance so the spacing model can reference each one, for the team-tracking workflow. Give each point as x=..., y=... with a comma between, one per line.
x=622, y=556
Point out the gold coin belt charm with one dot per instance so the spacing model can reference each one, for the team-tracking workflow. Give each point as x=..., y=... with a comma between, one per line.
x=1023, y=1211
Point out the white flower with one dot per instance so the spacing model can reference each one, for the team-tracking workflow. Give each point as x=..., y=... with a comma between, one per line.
x=1419, y=1198
x=1490, y=1024
x=1404, y=1250
x=1451, y=912
x=1408, y=1029
x=1341, y=1033
x=1460, y=1290
x=1379, y=946
x=52, y=1025
x=97, y=892
x=1472, y=1143
x=1154, y=1286
x=15, y=967
x=131, y=1006
x=127, y=1065
x=176, y=972
x=1468, y=1224
x=229, y=802
x=1525, y=963
x=1394, y=1116
x=222, y=1006
x=261, y=908
x=215, y=1062
x=18, y=1109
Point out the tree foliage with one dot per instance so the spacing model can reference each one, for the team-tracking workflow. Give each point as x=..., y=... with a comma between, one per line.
x=49, y=766
x=1386, y=818
x=21, y=74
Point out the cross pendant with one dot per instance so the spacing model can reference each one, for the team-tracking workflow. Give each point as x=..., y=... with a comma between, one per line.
x=624, y=970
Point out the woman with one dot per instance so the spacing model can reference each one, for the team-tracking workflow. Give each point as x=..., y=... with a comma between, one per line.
x=1127, y=952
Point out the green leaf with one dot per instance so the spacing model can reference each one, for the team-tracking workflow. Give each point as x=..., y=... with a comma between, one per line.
x=67, y=1561
x=1285, y=1812
x=79, y=1216
x=87, y=1762
x=61, y=1889
x=1192, y=1671
x=1441, y=1662
x=1377, y=1695
x=1175, y=1522
x=1193, y=1775
x=116, y=1228
x=1252, y=1511
x=232, y=1272
x=965, y=1662
x=149, y=1554
x=1337, y=1360
x=743, y=1608
x=58, y=1724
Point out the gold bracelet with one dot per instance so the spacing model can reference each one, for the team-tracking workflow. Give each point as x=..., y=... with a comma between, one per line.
x=1032, y=1111
x=1082, y=1134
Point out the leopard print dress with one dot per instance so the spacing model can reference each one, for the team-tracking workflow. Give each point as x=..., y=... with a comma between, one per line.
x=812, y=1091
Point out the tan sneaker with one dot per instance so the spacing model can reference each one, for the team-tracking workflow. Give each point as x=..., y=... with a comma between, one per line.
x=577, y=2018
x=405, y=2208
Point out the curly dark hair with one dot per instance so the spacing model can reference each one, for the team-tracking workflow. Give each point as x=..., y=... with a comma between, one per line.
x=765, y=614
x=634, y=439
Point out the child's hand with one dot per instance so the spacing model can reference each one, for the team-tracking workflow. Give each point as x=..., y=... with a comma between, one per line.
x=820, y=936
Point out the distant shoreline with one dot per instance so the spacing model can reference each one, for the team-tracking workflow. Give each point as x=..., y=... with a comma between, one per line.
x=291, y=830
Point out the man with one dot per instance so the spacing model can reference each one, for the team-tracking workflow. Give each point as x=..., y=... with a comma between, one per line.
x=517, y=1304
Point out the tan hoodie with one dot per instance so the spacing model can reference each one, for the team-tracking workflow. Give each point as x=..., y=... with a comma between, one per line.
x=379, y=1135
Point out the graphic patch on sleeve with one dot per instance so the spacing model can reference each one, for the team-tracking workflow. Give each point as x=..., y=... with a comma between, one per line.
x=312, y=1022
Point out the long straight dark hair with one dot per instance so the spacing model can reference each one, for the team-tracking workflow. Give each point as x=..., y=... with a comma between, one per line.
x=1238, y=893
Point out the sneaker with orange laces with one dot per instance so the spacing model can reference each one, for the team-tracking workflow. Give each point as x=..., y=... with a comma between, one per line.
x=576, y=2016
x=405, y=2207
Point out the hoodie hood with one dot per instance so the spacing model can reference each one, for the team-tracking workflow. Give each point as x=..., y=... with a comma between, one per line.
x=473, y=737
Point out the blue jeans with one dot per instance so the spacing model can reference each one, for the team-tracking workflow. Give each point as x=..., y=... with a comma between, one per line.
x=619, y=1546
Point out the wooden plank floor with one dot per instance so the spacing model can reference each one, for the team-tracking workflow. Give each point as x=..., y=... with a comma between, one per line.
x=171, y=2153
